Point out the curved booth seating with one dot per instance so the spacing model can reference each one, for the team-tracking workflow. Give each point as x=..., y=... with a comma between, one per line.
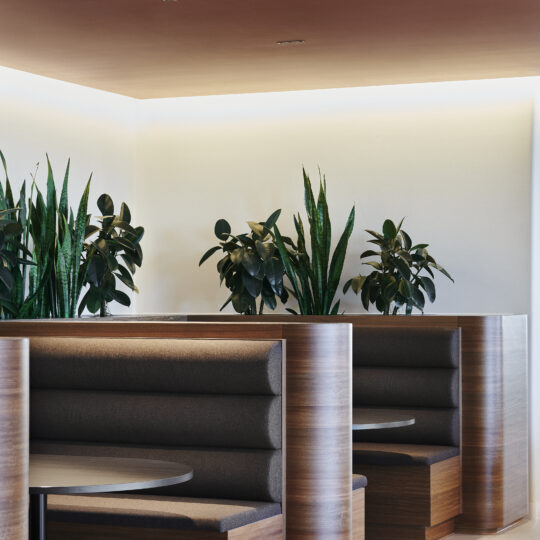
x=213, y=404
x=414, y=472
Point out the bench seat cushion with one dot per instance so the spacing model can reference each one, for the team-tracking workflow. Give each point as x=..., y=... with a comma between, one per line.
x=359, y=481
x=155, y=511
x=401, y=454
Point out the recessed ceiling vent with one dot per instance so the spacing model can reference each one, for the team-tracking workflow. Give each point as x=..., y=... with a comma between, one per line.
x=291, y=42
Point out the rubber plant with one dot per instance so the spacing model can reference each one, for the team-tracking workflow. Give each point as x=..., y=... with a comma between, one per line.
x=113, y=242
x=315, y=278
x=251, y=267
x=396, y=279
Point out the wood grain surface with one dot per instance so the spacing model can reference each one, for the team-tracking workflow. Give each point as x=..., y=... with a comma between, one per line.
x=14, y=439
x=318, y=407
x=266, y=529
x=494, y=409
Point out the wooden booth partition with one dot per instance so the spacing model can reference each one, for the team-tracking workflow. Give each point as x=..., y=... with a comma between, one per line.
x=494, y=409
x=14, y=439
x=317, y=410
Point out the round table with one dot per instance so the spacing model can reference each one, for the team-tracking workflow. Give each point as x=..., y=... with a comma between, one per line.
x=87, y=474
x=364, y=418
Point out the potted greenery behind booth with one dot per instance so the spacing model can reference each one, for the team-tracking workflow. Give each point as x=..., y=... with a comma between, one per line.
x=315, y=278
x=116, y=239
x=251, y=266
x=43, y=253
x=395, y=280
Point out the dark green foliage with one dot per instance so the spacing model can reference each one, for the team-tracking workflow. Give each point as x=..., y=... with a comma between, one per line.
x=395, y=280
x=314, y=279
x=251, y=266
x=42, y=250
x=116, y=240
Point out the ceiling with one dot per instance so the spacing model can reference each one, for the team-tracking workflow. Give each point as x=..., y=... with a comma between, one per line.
x=157, y=48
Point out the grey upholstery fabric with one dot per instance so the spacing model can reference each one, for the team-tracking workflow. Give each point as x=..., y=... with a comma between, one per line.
x=218, y=473
x=359, y=481
x=399, y=454
x=204, y=366
x=406, y=347
x=432, y=426
x=405, y=387
x=158, y=512
x=160, y=419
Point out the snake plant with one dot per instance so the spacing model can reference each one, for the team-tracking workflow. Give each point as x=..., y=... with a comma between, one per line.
x=314, y=278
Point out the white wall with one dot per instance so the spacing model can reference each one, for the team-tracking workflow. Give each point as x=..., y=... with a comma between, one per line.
x=452, y=157
x=95, y=129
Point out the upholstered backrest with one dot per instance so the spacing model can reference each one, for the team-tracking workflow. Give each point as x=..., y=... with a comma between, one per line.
x=414, y=370
x=212, y=403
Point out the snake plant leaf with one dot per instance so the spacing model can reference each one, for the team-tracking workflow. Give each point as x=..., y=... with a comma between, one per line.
x=222, y=229
x=271, y=221
x=63, y=206
x=338, y=259
x=335, y=309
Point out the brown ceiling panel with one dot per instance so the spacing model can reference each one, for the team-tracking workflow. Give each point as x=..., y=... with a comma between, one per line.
x=157, y=48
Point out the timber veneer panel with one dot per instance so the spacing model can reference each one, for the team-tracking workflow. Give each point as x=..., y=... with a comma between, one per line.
x=267, y=529
x=317, y=401
x=418, y=496
x=494, y=408
x=14, y=439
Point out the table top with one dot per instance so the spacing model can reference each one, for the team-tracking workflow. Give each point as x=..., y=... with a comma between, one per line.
x=379, y=419
x=88, y=474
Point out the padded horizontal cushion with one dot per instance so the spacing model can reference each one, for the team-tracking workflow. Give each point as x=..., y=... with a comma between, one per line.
x=158, y=512
x=401, y=454
x=157, y=419
x=218, y=473
x=359, y=481
x=432, y=426
x=406, y=347
x=405, y=387
x=218, y=366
